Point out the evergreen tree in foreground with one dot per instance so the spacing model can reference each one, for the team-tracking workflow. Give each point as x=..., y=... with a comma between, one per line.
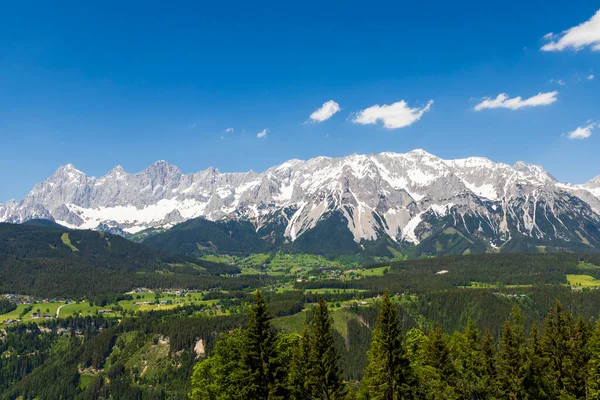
x=510, y=364
x=259, y=356
x=388, y=373
x=325, y=376
x=593, y=366
x=563, y=362
x=487, y=363
x=536, y=382
x=300, y=366
x=557, y=346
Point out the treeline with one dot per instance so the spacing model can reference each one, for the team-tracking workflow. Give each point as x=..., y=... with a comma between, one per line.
x=558, y=360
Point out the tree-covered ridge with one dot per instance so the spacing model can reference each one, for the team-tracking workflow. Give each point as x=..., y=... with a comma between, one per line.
x=560, y=360
x=48, y=261
x=97, y=249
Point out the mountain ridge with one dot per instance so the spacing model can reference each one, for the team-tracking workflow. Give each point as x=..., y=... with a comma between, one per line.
x=399, y=195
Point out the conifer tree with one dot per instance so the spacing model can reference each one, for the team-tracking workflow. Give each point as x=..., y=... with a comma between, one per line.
x=557, y=347
x=388, y=372
x=259, y=357
x=436, y=372
x=472, y=335
x=536, y=383
x=437, y=354
x=299, y=368
x=488, y=356
x=579, y=357
x=510, y=365
x=487, y=366
x=325, y=377
x=466, y=348
x=593, y=366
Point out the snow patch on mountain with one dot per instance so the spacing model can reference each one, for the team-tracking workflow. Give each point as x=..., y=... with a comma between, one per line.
x=386, y=192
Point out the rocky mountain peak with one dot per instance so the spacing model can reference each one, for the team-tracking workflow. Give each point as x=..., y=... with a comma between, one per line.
x=161, y=165
x=404, y=196
x=594, y=183
x=532, y=169
x=68, y=170
x=118, y=170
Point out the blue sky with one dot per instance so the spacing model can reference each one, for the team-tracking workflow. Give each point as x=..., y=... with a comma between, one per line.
x=102, y=83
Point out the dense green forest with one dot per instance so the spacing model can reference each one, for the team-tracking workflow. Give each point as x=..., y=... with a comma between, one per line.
x=50, y=262
x=155, y=345
x=558, y=360
x=153, y=354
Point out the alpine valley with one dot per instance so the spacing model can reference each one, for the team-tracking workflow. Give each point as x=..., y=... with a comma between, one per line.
x=384, y=204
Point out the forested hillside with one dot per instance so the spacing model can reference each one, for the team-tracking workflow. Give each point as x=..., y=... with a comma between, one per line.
x=49, y=261
x=451, y=312
x=560, y=359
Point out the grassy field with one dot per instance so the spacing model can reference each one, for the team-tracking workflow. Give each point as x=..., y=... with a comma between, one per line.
x=13, y=314
x=88, y=308
x=217, y=258
x=292, y=323
x=65, y=239
x=379, y=271
x=483, y=285
x=582, y=280
x=44, y=308
x=78, y=308
x=295, y=323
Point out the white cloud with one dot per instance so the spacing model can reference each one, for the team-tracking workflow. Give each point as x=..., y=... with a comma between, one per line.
x=393, y=116
x=582, y=132
x=503, y=101
x=262, y=133
x=229, y=130
x=590, y=77
x=576, y=38
x=325, y=112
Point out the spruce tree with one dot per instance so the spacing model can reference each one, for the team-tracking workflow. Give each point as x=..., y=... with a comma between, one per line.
x=437, y=374
x=557, y=347
x=487, y=365
x=325, y=377
x=437, y=354
x=510, y=366
x=472, y=334
x=298, y=380
x=388, y=372
x=488, y=356
x=466, y=348
x=579, y=357
x=536, y=382
x=593, y=366
x=258, y=365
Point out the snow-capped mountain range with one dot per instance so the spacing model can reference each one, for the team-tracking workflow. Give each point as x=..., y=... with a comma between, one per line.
x=407, y=197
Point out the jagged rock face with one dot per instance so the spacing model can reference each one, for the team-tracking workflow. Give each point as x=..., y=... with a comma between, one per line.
x=404, y=196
